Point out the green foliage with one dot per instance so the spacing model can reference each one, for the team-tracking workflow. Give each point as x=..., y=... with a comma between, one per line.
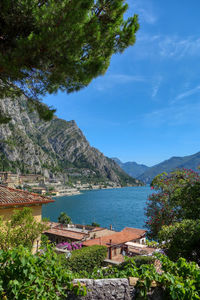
x=22, y=229
x=86, y=259
x=4, y=119
x=27, y=276
x=178, y=281
x=95, y=224
x=152, y=244
x=64, y=219
x=182, y=240
x=44, y=241
x=8, y=165
x=125, y=178
x=51, y=45
x=177, y=197
x=143, y=260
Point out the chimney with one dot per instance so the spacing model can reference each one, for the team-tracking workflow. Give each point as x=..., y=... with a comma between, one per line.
x=110, y=226
x=100, y=241
x=110, y=250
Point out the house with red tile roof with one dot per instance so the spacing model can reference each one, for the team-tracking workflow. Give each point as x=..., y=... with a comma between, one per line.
x=116, y=242
x=58, y=233
x=12, y=199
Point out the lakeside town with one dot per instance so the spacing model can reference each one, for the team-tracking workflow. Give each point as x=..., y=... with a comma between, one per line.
x=52, y=187
x=127, y=242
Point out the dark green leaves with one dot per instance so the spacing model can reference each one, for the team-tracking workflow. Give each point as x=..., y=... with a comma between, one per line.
x=59, y=44
x=27, y=276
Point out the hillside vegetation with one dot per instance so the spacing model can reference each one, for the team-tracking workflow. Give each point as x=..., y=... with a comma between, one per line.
x=56, y=149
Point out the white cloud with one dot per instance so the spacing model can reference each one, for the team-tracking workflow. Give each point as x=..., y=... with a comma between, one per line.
x=177, y=115
x=109, y=81
x=166, y=46
x=123, y=78
x=188, y=93
x=156, y=86
x=177, y=47
x=145, y=11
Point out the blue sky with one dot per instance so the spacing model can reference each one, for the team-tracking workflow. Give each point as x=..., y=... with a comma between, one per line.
x=146, y=107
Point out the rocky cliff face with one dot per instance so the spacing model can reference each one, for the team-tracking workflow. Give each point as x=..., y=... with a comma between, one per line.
x=56, y=149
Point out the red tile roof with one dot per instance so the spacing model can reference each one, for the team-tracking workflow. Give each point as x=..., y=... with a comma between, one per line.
x=66, y=233
x=137, y=231
x=126, y=235
x=15, y=197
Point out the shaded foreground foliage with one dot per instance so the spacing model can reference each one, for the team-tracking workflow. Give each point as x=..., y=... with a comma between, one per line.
x=27, y=276
x=85, y=259
x=173, y=212
x=176, y=198
x=44, y=276
x=182, y=239
x=178, y=281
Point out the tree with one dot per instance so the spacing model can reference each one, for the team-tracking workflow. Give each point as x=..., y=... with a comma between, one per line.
x=182, y=240
x=46, y=45
x=176, y=197
x=94, y=224
x=22, y=229
x=64, y=219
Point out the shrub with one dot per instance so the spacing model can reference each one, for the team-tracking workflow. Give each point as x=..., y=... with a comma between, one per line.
x=86, y=259
x=143, y=260
x=21, y=229
x=178, y=281
x=27, y=276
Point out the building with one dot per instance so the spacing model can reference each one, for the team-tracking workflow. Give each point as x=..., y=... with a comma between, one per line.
x=9, y=179
x=139, y=249
x=12, y=199
x=74, y=232
x=116, y=242
x=39, y=190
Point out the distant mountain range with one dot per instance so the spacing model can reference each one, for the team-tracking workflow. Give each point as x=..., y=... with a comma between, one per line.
x=131, y=168
x=146, y=174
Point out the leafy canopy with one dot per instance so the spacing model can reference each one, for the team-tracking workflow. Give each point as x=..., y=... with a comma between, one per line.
x=40, y=276
x=176, y=198
x=46, y=45
x=64, y=219
x=22, y=229
x=182, y=239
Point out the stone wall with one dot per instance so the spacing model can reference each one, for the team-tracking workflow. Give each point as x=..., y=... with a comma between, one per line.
x=113, y=289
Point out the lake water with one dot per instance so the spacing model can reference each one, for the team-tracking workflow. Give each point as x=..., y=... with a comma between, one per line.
x=120, y=207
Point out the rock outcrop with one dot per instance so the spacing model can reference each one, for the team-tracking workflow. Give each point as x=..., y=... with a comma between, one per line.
x=55, y=149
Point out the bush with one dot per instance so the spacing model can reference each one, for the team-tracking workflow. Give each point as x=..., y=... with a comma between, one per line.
x=178, y=281
x=181, y=240
x=86, y=259
x=27, y=276
x=143, y=260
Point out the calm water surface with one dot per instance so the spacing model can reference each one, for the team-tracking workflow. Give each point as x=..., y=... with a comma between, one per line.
x=119, y=207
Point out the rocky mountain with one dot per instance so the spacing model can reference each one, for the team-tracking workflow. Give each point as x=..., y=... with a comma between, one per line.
x=56, y=149
x=188, y=162
x=131, y=168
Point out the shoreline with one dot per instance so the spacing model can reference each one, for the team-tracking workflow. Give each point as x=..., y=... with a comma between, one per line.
x=79, y=192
